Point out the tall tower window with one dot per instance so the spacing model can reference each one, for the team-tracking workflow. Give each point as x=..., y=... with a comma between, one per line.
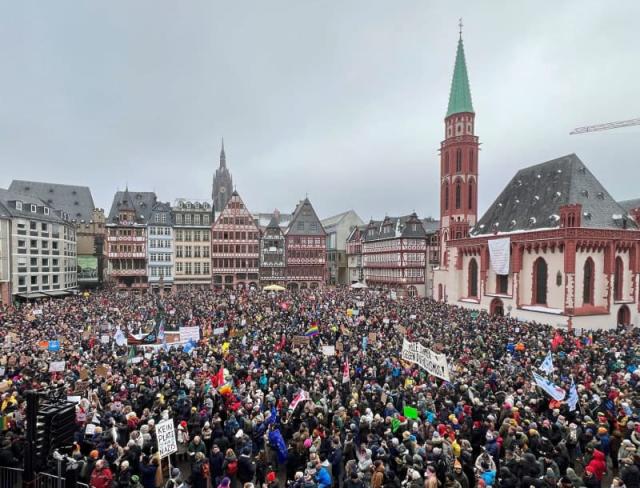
x=446, y=162
x=471, y=161
x=446, y=196
x=470, y=196
x=458, y=195
x=458, y=160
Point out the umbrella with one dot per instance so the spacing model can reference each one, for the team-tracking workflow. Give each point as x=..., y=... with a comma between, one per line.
x=274, y=288
x=359, y=285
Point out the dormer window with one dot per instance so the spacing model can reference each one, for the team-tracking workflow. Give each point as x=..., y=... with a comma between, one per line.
x=46, y=210
x=18, y=205
x=33, y=208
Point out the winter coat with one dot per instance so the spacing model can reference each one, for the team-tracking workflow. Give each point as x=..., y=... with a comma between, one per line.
x=101, y=478
x=378, y=477
x=598, y=464
x=323, y=478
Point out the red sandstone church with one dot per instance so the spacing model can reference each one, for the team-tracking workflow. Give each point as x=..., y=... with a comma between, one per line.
x=554, y=247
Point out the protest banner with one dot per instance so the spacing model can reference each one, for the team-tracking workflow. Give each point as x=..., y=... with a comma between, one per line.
x=435, y=364
x=166, y=436
x=56, y=366
x=218, y=331
x=189, y=333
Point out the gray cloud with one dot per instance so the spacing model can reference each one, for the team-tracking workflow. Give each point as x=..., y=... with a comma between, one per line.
x=341, y=100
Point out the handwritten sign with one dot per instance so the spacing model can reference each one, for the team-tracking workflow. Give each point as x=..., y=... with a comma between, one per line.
x=300, y=341
x=56, y=366
x=166, y=438
x=329, y=350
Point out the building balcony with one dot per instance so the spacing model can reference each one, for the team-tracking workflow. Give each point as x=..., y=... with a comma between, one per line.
x=125, y=255
x=233, y=270
x=303, y=261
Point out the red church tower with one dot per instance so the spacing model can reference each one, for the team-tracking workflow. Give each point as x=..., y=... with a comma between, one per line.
x=458, y=160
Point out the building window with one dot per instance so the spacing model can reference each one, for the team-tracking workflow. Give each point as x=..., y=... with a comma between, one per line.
x=473, y=278
x=471, y=161
x=470, y=196
x=458, y=195
x=502, y=284
x=205, y=220
x=187, y=219
x=588, y=282
x=178, y=219
x=33, y=208
x=446, y=196
x=446, y=162
x=618, y=278
x=196, y=219
x=458, y=160
x=205, y=268
x=540, y=273
x=18, y=205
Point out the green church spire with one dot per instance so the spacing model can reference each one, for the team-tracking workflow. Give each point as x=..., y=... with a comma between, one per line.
x=460, y=96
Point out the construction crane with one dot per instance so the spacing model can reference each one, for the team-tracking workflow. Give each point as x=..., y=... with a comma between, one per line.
x=610, y=125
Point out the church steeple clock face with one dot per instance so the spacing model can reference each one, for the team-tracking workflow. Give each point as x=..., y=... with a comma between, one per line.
x=223, y=190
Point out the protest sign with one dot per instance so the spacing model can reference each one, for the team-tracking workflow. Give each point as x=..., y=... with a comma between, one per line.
x=56, y=366
x=410, y=412
x=329, y=350
x=402, y=330
x=166, y=436
x=102, y=371
x=372, y=337
x=105, y=339
x=339, y=346
x=189, y=333
x=218, y=331
x=300, y=341
x=435, y=364
x=84, y=374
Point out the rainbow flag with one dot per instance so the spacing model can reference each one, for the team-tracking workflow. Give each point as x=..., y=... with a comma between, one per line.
x=312, y=331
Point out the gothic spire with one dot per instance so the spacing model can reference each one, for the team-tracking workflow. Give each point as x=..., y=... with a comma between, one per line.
x=460, y=95
x=223, y=157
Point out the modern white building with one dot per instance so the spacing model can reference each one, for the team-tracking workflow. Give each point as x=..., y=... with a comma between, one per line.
x=37, y=248
x=160, y=252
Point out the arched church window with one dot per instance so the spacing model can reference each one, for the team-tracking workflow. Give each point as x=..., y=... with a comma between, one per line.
x=540, y=281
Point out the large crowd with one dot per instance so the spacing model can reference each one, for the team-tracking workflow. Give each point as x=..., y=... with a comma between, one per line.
x=259, y=402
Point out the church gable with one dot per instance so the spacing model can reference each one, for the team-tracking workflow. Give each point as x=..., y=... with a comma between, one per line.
x=534, y=197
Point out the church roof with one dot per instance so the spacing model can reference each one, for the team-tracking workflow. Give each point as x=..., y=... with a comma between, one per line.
x=532, y=199
x=76, y=201
x=629, y=205
x=460, y=94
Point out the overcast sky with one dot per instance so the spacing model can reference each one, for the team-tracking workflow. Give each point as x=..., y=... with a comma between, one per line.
x=340, y=100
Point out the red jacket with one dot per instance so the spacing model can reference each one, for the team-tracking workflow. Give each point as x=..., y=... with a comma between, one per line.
x=101, y=478
x=598, y=464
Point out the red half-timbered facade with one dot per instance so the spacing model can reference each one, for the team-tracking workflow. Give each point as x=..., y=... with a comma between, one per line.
x=306, y=249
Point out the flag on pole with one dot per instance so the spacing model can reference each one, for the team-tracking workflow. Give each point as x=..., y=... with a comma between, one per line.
x=547, y=364
x=302, y=396
x=572, y=401
x=312, y=331
x=549, y=388
x=189, y=346
x=345, y=371
x=120, y=338
x=218, y=379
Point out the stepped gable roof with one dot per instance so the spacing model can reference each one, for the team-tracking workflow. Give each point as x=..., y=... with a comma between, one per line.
x=75, y=201
x=394, y=227
x=532, y=200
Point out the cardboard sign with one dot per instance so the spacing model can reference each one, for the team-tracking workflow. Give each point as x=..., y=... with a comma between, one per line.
x=402, y=330
x=84, y=374
x=166, y=438
x=372, y=337
x=81, y=387
x=300, y=341
x=105, y=339
x=102, y=371
x=339, y=346
x=56, y=366
x=329, y=350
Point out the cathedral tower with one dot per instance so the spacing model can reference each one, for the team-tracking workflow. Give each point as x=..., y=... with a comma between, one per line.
x=458, y=159
x=222, y=183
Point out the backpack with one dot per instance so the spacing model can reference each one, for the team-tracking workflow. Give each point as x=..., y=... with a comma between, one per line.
x=232, y=468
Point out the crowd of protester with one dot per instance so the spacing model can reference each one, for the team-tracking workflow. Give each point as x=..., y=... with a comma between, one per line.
x=258, y=402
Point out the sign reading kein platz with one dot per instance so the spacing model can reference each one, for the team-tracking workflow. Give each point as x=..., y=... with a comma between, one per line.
x=434, y=363
x=166, y=438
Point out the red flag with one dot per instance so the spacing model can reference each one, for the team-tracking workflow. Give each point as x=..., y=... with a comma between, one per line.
x=218, y=379
x=557, y=340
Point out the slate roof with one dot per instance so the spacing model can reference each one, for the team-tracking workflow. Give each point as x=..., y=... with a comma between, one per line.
x=76, y=201
x=159, y=208
x=141, y=202
x=263, y=219
x=397, y=227
x=8, y=209
x=532, y=199
x=629, y=205
x=305, y=214
x=431, y=225
x=335, y=219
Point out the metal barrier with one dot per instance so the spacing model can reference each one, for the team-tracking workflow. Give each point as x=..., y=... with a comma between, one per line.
x=10, y=477
x=45, y=480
